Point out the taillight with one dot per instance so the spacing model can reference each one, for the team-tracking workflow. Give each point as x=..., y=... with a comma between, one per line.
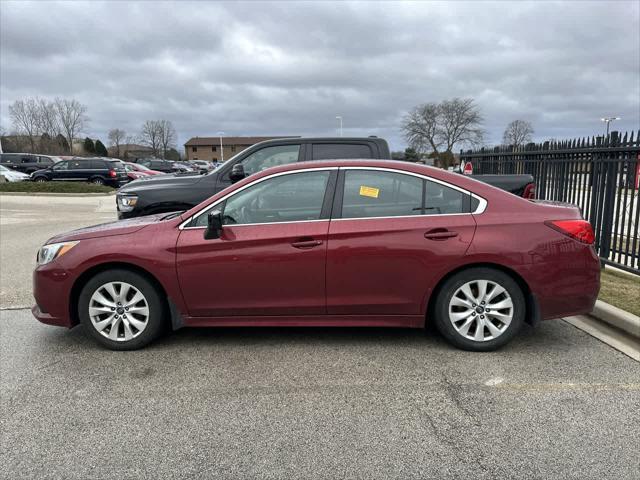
x=530, y=192
x=112, y=173
x=578, y=229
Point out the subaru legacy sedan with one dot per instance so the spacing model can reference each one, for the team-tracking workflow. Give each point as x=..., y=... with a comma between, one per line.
x=332, y=243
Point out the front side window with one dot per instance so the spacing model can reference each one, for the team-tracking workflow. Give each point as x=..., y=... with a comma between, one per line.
x=293, y=197
x=270, y=157
x=78, y=164
x=61, y=166
x=374, y=193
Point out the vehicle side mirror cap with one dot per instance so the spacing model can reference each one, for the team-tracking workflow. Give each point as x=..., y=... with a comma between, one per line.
x=237, y=172
x=214, y=225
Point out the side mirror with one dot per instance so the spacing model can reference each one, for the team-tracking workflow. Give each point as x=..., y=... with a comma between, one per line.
x=237, y=173
x=214, y=225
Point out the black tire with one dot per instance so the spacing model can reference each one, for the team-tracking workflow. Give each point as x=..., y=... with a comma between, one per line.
x=450, y=287
x=156, y=323
x=97, y=181
x=41, y=179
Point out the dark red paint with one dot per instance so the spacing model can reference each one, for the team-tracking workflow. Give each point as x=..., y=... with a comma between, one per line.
x=378, y=272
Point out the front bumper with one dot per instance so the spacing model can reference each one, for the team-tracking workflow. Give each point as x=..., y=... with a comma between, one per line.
x=52, y=291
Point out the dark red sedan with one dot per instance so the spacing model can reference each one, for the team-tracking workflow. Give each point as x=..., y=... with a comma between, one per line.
x=336, y=243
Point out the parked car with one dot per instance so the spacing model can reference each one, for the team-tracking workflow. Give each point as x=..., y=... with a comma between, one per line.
x=95, y=170
x=181, y=192
x=186, y=166
x=142, y=169
x=336, y=243
x=26, y=162
x=164, y=166
x=202, y=166
x=12, y=175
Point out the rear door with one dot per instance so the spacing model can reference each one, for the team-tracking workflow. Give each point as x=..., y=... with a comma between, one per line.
x=392, y=237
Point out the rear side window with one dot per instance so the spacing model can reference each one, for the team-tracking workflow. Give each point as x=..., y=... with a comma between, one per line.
x=328, y=151
x=440, y=199
x=118, y=166
x=45, y=161
x=374, y=193
x=95, y=164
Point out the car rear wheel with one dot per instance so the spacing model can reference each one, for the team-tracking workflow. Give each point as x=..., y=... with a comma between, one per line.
x=97, y=181
x=480, y=309
x=121, y=309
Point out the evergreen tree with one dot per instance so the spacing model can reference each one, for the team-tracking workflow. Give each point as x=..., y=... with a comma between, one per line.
x=101, y=150
x=89, y=146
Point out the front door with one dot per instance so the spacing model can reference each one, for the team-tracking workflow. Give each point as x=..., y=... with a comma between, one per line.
x=270, y=258
x=392, y=237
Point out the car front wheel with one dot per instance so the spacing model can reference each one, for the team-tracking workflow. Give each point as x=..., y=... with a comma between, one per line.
x=121, y=309
x=480, y=309
x=40, y=179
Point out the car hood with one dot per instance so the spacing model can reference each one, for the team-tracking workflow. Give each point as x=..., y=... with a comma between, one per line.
x=151, y=182
x=119, y=227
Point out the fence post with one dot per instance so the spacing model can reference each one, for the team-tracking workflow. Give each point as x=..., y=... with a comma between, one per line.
x=609, y=200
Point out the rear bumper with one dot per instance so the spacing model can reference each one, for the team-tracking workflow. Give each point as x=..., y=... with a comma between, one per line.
x=567, y=287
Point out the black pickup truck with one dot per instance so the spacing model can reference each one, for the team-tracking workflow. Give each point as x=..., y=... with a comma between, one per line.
x=168, y=193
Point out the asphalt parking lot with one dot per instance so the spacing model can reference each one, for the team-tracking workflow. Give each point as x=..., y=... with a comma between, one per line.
x=298, y=403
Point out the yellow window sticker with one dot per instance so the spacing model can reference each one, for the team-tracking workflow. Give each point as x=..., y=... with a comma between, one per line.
x=369, y=191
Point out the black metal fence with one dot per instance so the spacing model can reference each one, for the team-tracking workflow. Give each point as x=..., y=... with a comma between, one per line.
x=601, y=175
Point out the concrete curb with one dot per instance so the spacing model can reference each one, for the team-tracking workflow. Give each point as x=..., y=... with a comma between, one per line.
x=616, y=317
x=52, y=194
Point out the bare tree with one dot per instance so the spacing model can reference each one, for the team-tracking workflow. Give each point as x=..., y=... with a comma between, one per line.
x=47, y=115
x=518, y=133
x=460, y=123
x=24, y=116
x=443, y=126
x=420, y=127
x=73, y=118
x=167, y=136
x=116, y=138
x=151, y=136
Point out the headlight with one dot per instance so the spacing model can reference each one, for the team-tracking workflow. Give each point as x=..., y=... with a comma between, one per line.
x=126, y=203
x=49, y=253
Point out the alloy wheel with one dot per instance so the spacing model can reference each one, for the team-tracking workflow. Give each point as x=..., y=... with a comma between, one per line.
x=119, y=311
x=481, y=310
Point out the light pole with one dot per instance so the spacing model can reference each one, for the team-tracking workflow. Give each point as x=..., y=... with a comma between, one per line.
x=608, y=120
x=221, y=147
x=339, y=117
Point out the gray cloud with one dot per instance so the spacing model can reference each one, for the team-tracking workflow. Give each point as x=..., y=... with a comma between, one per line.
x=289, y=68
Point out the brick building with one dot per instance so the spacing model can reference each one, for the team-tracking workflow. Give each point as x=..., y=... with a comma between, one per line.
x=208, y=148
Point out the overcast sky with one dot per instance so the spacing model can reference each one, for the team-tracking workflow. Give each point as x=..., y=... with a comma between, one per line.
x=289, y=68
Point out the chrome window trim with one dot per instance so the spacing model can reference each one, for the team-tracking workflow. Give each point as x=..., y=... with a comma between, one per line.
x=482, y=205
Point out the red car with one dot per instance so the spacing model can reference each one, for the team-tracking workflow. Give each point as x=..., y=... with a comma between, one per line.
x=333, y=243
x=140, y=170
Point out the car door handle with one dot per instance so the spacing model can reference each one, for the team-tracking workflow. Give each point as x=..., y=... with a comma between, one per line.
x=440, y=235
x=306, y=243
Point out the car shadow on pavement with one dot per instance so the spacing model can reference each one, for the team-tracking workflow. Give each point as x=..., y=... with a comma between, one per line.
x=548, y=336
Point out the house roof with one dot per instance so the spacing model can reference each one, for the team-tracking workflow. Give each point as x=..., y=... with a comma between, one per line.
x=206, y=141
